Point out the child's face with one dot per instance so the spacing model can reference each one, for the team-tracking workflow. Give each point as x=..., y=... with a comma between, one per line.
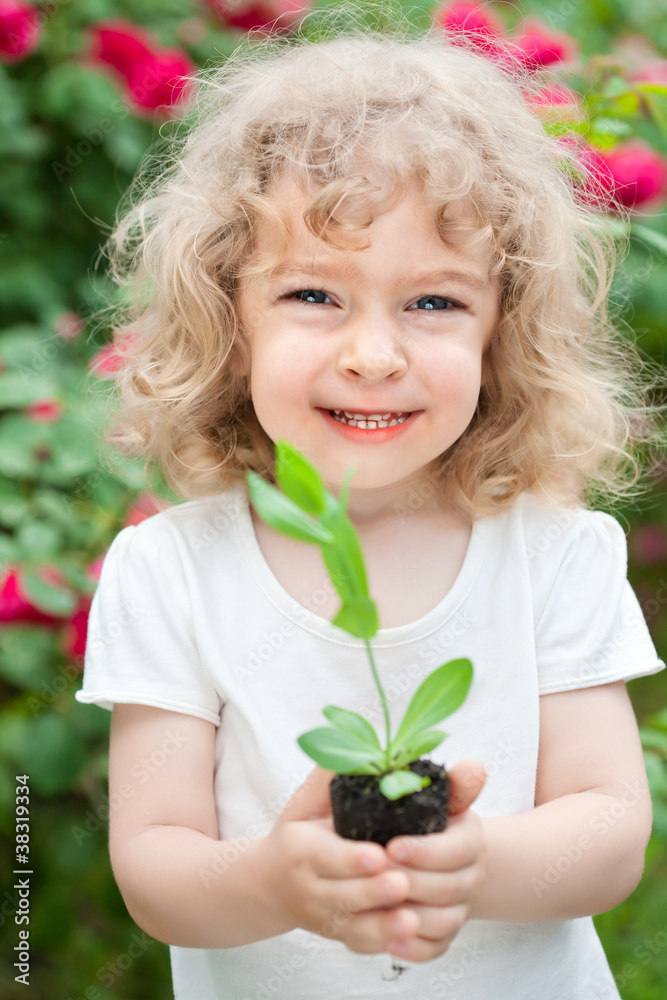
x=378, y=341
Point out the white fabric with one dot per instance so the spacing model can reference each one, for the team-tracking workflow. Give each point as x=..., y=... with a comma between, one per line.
x=189, y=617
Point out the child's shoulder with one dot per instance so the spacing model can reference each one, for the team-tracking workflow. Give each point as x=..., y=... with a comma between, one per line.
x=193, y=523
x=572, y=542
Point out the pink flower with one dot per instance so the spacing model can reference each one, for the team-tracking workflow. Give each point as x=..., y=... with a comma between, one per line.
x=159, y=80
x=556, y=101
x=119, y=44
x=73, y=640
x=20, y=30
x=257, y=15
x=154, y=77
x=639, y=174
x=69, y=326
x=475, y=23
x=630, y=175
x=653, y=72
x=145, y=505
x=648, y=544
x=110, y=359
x=16, y=605
x=539, y=46
x=94, y=568
x=46, y=411
x=595, y=183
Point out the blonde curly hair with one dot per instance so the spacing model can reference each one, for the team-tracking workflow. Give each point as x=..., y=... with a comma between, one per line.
x=563, y=412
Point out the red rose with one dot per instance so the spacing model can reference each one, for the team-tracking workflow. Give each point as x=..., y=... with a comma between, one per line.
x=119, y=44
x=73, y=641
x=155, y=77
x=158, y=80
x=20, y=30
x=45, y=411
x=639, y=173
x=476, y=21
x=556, y=101
x=16, y=605
x=538, y=46
x=257, y=15
x=110, y=359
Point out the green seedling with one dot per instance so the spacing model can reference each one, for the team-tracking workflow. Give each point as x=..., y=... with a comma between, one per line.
x=305, y=510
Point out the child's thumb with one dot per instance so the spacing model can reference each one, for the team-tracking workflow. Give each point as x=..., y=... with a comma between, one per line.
x=466, y=780
x=311, y=800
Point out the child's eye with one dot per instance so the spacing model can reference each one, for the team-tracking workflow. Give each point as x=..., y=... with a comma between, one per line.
x=435, y=303
x=438, y=303
x=310, y=294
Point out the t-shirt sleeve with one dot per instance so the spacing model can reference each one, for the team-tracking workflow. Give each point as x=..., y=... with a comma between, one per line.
x=141, y=646
x=590, y=629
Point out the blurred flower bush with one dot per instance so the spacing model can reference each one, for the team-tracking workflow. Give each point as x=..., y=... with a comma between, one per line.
x=84, y=89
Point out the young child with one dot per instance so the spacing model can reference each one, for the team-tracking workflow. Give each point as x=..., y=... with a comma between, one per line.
x=367, y=246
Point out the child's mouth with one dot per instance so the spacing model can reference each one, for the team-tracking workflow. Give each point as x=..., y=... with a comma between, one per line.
x=376, y=426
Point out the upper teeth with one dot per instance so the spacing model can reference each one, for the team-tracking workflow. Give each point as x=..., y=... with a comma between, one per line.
x=365, y=419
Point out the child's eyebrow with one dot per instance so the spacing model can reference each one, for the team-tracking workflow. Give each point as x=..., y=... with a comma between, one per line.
x=471, y=279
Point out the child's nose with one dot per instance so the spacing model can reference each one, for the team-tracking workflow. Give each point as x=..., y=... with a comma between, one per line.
x=373, y=346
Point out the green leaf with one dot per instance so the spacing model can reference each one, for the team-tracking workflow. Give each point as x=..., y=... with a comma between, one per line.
x=283, y=514
x=359, y=618
x=299, y=480
x=19, y=389
x=652, y=88
x=349, y=550
x=422, y=744
x=352, y=723
x=396, y=784
x=441, y=693
x=651, y=236
x=52, y=600
x=340, y=751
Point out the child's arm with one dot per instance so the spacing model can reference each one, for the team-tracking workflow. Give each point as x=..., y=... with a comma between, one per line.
x=185, y=887
x=579, y=852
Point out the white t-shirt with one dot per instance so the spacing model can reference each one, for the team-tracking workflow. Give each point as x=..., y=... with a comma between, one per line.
x=189, y=617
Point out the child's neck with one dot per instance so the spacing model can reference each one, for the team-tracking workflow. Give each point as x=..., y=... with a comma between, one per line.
x=375, y=511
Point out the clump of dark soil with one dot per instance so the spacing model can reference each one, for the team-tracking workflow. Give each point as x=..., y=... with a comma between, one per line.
x=362, y=812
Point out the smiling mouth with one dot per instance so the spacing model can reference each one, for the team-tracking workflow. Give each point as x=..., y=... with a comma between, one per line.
x=371, y=421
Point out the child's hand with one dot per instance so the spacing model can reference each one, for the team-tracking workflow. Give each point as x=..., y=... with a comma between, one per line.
x=446, y=870
x=331, y=886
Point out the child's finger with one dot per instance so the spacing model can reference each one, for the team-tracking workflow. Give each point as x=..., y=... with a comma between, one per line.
x=458, y=846
x=466, y=780
x=371, y=932
x=435, y=888
x=354, y=896
x=437, y=928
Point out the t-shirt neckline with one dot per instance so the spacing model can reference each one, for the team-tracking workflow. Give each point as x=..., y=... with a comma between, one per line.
x=311, y=622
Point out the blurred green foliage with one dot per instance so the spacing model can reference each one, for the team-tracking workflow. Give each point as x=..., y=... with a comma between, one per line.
x=70, y=146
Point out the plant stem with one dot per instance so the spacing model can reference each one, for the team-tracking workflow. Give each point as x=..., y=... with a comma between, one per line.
x=384, y=700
